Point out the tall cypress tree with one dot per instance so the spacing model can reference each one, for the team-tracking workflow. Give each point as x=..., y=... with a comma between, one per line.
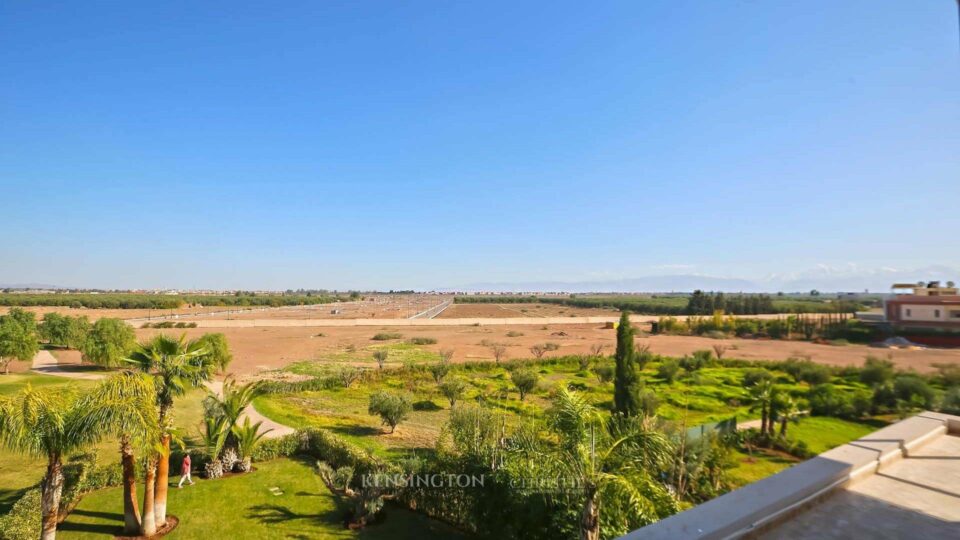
x=626, y=384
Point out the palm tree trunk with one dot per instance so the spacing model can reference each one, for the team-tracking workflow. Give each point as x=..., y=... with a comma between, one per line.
x=763, y=420
x=163, y=482
x=149, y=525
x=783, y=426
x=131, y=512
x=51, y=490
x=590, y=517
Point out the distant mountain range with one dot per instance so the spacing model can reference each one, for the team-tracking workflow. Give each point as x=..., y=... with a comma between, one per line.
x=29, y=286
x=823, y=278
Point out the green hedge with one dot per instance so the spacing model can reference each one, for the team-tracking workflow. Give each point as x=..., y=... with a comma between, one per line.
x=23, y=521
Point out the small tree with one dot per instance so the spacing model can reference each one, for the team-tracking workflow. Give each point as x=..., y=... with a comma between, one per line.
x=626, y=382
x=876, y=371
x=499, y=352
x=445, y=355
x=525, y=380
x=439, y=371
x=604, y=373
x=719, y=350
x=347, y=375
x=380, y=355
x=109, y=342
x=391, y=408
x=18, y=338
x=217, y=350
x=583, y=361
x=248, y=437
x=538, y=351
x=597, y=349
x=453, y=390
x=668, y=370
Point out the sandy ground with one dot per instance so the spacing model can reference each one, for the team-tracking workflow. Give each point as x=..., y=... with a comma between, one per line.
x=467, y=311
x=266, y=348
x=373, y=307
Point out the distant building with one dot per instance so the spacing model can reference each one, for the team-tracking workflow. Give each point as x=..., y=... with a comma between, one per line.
x=927, y=306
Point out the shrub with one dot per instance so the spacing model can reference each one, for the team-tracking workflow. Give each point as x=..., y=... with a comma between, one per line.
x=950, y=403
x=380, y=355
x=914, y=391
x=422, y=341
x=668, y=370
x=884, y=399
x=876, y=371
x=386, y=336
x=826, y=400
x=949, y=374
x=453, y=390
x=807, y=371
x=439, y=371
x=514, y=333
x=551, y=346
x=754, y=376
x=23, y=521
x=391, y=408
x=525, y=380
x=604, y=373
x=649, y=402
x=699, y=360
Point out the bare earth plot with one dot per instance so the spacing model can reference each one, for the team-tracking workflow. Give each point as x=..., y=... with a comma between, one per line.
x=469, y=311
x=272, y=347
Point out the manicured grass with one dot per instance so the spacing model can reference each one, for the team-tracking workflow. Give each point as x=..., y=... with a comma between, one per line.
x=758, y=466
x=243, y=506
x=821, y=433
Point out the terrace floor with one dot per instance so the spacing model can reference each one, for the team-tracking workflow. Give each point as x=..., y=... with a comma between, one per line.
x=916, y=497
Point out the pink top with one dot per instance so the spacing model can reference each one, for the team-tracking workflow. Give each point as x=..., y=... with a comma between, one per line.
x=186, y=464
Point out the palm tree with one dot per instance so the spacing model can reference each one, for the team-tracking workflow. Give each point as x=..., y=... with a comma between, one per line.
x=612, y=460
x=44, y=423
x=228, y=405
x=248, y=437
x=125, y=403
x=176, y=365
x=788, y=411
x=763, y=394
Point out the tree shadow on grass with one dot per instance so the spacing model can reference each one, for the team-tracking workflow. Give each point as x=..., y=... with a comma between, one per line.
x=272, y=514
x=357, y=431
x=8, y=497
x=115, y=528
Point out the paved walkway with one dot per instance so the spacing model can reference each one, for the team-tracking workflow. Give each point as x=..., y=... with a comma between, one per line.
x=44, y=362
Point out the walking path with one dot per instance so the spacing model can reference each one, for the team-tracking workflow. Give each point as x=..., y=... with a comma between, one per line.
x=276, y=429
x=44, y=362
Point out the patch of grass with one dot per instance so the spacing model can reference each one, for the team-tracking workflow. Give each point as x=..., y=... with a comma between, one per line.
x=758, y=466
x=386, y=336
x=245, y=507
x=422, y=341
x=821, y=433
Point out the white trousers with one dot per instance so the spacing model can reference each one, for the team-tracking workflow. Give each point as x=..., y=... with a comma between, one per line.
x=185, y=477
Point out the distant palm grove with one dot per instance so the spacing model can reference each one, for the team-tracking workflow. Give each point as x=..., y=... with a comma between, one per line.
x=113, y=300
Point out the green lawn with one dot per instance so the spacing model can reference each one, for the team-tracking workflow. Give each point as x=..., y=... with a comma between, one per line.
x=821, y=433
x=758, y=466
x=244, y=506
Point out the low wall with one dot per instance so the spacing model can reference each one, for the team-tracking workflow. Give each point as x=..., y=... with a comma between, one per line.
x=763, y=503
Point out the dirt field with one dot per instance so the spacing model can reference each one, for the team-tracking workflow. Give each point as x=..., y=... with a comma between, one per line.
x=373, y=307
x=503, y=311
x=266, y=348
x=398, y=306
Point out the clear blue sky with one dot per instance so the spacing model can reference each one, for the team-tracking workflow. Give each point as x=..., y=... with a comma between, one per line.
x=419, y=144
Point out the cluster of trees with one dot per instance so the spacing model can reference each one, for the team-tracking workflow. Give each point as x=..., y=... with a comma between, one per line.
x=828, y=327
x=134, y=406
x=161, y=301
x=705, y=303
x=108, y=342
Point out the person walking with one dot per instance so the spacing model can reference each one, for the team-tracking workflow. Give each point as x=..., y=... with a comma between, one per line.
x=185, y=471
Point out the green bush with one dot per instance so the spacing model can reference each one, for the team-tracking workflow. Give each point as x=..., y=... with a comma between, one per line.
x=876, y=371
x=668, y=370
x=386, y=336
x=23, y=521
x=827, y=400
x=753, y=376
x=391, y=408
x=914, y=391
x=950, y=403
x=420, y=340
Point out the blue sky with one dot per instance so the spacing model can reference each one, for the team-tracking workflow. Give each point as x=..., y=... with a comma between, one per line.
x=427, y=144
